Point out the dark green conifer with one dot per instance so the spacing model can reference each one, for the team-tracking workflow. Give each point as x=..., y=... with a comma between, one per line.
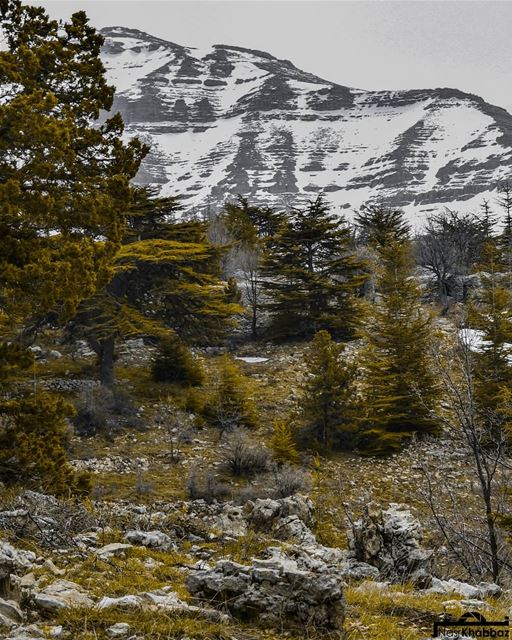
x=329, y=405
x=167, y=277
x=64, y=187
x=282, y=443
x=311, y=274
x=231, y=405
x=400, y=388
x=174, y=363
x=490, y=312
x=379, y=226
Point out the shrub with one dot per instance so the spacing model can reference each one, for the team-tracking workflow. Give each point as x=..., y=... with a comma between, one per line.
x=282, y=443
x=174, y=363
x=242, y=457
x=34, y=434
x=291, y=480
x=329, y=409
x=104, y=410
x=231, y=405
x=204, y=485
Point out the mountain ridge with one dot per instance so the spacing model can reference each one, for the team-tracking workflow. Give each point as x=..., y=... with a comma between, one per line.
x=227, y=120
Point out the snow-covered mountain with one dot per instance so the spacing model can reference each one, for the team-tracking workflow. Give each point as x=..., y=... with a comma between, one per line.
x=229, y=120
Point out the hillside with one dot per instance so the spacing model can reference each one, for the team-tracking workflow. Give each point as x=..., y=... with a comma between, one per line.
x=231, y=120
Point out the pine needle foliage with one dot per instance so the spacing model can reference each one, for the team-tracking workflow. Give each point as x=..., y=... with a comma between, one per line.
x=64, y=188
x=64, y=177
x=33, y=438
x=490, y=312
x=282, y=443
x=379, y=226
x=166, y=279
x=329, y=405
x=231, y=405
x=400, y=388
x=174, y=363
x=311, y=274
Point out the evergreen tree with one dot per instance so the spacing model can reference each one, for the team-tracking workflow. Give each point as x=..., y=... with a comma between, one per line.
x=175, y=363
x=64, y=186
x=282, y=443
x=64, y=179
x=251, y=229
x=166, y=278
x=311, y=274
x=491, y=313
x=33, y=438
x=329, y=405
x=231, y=405
x=400, y=388
x=379, y=226
x=505, y=238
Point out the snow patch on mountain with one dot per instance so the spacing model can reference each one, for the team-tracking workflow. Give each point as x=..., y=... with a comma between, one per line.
x=226, y=120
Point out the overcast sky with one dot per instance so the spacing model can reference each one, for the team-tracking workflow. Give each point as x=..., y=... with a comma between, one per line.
x=371, y=45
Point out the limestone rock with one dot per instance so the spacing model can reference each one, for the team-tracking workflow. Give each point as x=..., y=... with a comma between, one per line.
x=14, y=560
x=114, y=549
x=151, y=539
x=62, y=594
x=231, y=521
x=6, y=622
x=160, y=599
x=292, y=528
x=471, y=592
x=118, y=630
x=274, y=591
x=11, y=610
x=391, y=541
x=123, y=602
x=263, y=512
x=30, y=632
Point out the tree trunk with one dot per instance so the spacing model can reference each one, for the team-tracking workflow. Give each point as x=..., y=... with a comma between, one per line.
x=254, y=322
x=106, y=359
x=493, y=538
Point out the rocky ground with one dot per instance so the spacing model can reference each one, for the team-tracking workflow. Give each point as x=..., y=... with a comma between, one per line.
x=354, y=554
x=193, y=570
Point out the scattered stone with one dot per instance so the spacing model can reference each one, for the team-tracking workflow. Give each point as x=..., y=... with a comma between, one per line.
x=48, y=564
x=6, y=622
x=118, y=630
x=28, y=581
x=160, y=599
x=292, y=528
x=123, y=602
x=12, y=563
x=471, y=592
x=151, y=539
x=62, y=594
x=231, y=521
x=30, y=632
x=11, y=610
x=114, y=549
x=263, y=512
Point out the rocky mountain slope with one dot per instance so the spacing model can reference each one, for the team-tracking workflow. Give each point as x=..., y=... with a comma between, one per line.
x=230, y=120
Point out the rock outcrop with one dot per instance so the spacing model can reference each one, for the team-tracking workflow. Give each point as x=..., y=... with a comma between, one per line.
x=391, y=541
x=276, y=592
